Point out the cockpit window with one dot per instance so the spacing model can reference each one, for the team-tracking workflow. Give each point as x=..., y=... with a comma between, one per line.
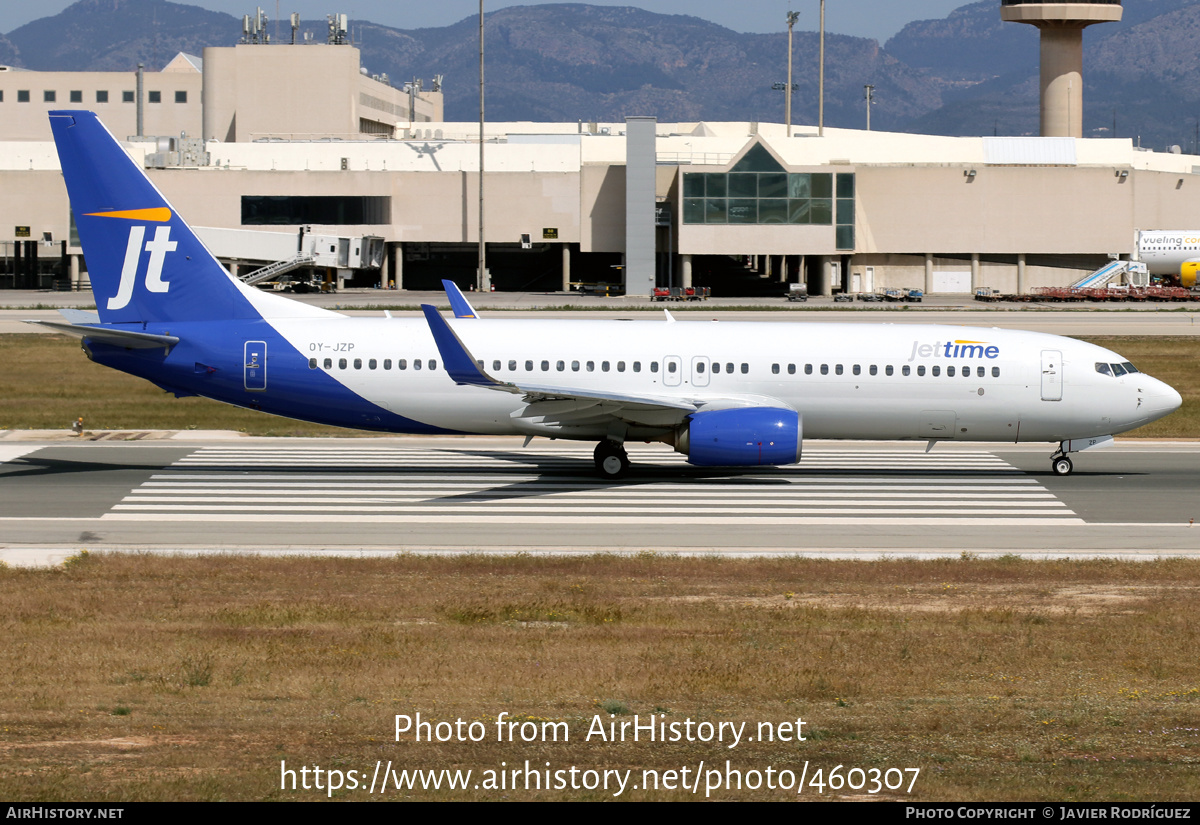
x=1118, y=370
x=1130, y=368
x=1103, y=369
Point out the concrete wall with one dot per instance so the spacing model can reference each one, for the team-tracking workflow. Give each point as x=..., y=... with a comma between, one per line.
x=300, y=92
x=29, y=121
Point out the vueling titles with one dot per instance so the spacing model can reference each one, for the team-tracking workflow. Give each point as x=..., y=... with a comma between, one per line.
x=955, y=349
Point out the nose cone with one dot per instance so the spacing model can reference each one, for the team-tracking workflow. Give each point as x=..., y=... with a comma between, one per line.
x=1161, y=399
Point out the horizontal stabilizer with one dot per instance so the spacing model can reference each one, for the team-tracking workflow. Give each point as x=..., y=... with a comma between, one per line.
x=110, y=335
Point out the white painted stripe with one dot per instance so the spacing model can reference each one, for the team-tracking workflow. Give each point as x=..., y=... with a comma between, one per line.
x=507, y=507
x=524, y=502
x=732, y=480
x=556, y=520
x=693, y=497
x=11, y=452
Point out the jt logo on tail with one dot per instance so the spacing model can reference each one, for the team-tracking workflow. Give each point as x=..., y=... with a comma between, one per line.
x=158, y=249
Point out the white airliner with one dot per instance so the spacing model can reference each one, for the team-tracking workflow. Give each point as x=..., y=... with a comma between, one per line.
x=724, y=394
x=1174, y=253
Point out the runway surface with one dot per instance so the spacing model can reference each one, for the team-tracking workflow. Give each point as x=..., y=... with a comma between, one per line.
x=488, y=494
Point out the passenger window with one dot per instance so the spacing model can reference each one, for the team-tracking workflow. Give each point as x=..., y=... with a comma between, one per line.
x=775, y=369
x=328, y=363
x=857, y=369
x=936, y=370
x=995, y=372
x=358, y=363
x=432, y=364
x=574, y=366
x=700, y=366
x=949, y=371
x=372, y=364
x=528, y=366
x=416, y=363
x=591, y=366
x=312, y=363
x=967, y=372
x=653, y=366
x=824, y=369
x=545, y=366
x=620, y=366
x=387, y=363
x=808, y=369
x=907, y=370
x=838, y=369
x=888, y=369
x=495, y=366
x=512, y=366
x=341, y=363
x=637, y=366
x=561, y=365
x=745, y=369
x=671, y=367
x=920, y=370
x=874, y=370
x=604, y=366
x=729, y=368
x=401, y=363
x=791, y=369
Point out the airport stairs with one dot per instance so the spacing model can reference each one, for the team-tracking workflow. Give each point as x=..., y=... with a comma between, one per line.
x=278, y=268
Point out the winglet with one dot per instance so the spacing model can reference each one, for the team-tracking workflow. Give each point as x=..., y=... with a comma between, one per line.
x=458, y=302
x=459, y=363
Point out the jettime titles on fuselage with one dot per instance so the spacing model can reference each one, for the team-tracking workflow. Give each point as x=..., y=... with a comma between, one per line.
x=954, y=349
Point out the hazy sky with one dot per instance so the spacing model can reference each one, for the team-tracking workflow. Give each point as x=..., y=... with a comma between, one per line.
x=865, y=18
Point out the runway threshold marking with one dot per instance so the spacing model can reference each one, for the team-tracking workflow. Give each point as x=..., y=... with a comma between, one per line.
x=353, y=484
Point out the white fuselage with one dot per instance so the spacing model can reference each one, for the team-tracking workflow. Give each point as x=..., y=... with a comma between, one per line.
x=847, y=381
x=1165, y=252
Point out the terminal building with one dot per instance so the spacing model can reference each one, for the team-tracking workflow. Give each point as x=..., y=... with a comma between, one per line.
x=292, y=142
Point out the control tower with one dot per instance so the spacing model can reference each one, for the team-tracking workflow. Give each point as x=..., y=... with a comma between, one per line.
x=1062, y=26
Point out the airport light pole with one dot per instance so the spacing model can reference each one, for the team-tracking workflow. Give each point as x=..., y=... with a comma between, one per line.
x=821, y=79
x=792, y=17
x=482, y=280
x=869, y=94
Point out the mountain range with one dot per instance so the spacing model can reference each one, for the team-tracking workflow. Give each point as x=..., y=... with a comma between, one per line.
x=966, y=74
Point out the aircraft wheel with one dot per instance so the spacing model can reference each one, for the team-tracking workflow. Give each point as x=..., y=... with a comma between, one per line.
x=611, y=459
x=1062, y=466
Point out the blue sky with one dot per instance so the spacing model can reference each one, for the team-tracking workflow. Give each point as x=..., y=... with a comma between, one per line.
x=879, y=19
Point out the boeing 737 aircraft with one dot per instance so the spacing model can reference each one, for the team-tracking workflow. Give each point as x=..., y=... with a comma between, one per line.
x=724, y=394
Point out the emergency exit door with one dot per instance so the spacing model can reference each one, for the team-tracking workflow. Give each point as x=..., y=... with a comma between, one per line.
x=255, y=370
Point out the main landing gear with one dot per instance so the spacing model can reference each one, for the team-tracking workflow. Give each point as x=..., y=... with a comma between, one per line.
x=1060, y=464
x=611, y=459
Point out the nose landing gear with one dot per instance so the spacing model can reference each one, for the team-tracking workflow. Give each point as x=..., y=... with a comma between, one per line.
x=611, y=459
x=1060, y=464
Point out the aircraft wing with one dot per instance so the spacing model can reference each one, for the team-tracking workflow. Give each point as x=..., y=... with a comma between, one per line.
x=563, y=403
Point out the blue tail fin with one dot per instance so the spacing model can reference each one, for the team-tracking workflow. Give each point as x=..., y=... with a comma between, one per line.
x=144, y=262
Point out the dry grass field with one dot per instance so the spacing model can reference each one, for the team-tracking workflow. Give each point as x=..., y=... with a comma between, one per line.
x=144, y=678
x=48, y=382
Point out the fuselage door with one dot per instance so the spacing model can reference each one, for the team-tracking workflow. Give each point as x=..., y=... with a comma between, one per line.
x=700, y=368
x=255, y=370
x=1051, y=375
x=672, y=371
